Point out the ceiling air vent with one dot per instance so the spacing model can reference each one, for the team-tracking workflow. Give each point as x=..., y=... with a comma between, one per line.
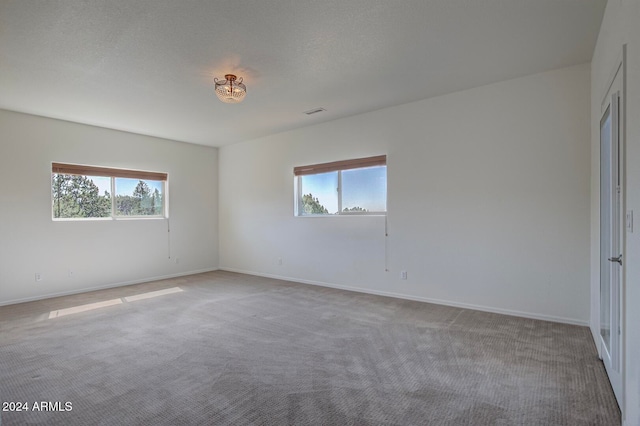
x=314, y=111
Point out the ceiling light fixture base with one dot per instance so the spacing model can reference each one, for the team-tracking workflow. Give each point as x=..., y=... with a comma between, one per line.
x=231, y=90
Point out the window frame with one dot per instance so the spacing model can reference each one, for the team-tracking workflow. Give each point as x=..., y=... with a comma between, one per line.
x=339, y=167
x=112, y=174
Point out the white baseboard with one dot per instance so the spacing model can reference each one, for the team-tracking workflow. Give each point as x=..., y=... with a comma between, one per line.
x=103, y=287
x=311, y=282
x=595, y=334
x=542, y=317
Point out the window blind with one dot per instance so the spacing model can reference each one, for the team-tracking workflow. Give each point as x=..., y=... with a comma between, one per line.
x=379, y=160
x=76, y=169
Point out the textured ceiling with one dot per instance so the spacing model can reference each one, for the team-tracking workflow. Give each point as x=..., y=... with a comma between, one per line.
x=147, y=66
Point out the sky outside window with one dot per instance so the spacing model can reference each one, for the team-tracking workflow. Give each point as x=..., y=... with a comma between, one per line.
x=365, y=189
x=126, y=186
x=323, y=186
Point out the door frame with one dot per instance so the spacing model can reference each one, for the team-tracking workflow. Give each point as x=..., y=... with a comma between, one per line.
x=619, y=68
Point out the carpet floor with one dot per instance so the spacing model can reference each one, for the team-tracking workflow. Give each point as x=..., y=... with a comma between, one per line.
x=232, y=349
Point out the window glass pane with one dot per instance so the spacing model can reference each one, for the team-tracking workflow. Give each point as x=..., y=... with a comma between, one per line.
x=319, y=193
x=135, y=197
x=606, y=200
x=78, y=196
x=364, y=190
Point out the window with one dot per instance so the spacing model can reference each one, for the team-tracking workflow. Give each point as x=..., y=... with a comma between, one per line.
x=343, y=187
x=87, y=192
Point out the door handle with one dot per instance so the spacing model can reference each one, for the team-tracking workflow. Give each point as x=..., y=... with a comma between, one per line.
x=616, y=259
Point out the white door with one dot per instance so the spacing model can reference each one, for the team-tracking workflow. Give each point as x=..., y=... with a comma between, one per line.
x=611, y=234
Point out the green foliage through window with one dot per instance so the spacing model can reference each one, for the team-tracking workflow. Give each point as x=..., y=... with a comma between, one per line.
x=312, y=205
x=354, y=209
x=142, y=202
x=79, y=196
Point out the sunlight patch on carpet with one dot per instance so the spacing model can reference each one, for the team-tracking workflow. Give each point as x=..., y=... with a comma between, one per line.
x=83, y=308
x=152, y=294
x=112, y=302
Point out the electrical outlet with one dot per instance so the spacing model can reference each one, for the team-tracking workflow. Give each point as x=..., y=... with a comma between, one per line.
x=38, y=276
x=71, y=273
x=177, y=260
x=403, y=275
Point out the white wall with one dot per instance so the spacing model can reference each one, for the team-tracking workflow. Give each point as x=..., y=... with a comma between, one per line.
x=620, y=25
x=488, y=200
x=101, y=253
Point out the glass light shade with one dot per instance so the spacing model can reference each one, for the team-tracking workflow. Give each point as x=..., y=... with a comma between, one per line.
x=229, y=90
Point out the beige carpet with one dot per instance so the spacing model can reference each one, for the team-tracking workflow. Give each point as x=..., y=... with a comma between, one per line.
x=232, y=349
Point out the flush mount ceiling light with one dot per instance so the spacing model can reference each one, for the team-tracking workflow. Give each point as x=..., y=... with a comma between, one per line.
x=229, y=90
